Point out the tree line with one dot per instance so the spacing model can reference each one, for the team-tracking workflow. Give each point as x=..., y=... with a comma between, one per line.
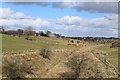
x=28, y=31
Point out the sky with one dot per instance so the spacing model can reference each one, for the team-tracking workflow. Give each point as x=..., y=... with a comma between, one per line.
x=76, y=19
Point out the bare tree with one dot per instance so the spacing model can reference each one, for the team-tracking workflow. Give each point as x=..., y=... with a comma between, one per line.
x=20, y=32
x=29, y=31
x=2, y=29
x=57, y=35
x=48, y=33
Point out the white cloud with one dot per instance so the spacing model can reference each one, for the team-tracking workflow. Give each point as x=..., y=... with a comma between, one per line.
x=107, y=24
x=70, y=20
x=11, y=19
x=69, y=25
x=22, y=23
x=20, y=15
x=7, y=13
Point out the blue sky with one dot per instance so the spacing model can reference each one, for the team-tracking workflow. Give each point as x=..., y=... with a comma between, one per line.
x=80, y=19
x=48, y=12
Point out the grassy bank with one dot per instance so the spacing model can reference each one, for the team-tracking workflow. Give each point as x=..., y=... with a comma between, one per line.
x=112, y=54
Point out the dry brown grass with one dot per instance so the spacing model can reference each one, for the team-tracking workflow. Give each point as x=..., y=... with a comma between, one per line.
x=77, y=66
x=15, y=68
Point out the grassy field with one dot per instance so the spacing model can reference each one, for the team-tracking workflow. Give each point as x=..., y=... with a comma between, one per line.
x=12, y=43
x=60, y=54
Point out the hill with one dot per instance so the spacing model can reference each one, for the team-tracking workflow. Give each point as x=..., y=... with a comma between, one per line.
x=86, y=60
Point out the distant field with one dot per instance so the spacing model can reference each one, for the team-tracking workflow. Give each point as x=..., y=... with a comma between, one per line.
x=12, y=43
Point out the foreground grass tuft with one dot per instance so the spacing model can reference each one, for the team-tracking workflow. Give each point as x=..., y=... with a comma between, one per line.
x=15, y=68
x=45, y=52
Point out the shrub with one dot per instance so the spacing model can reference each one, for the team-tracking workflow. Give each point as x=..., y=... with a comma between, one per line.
x=15, y=68
x=29, y=38
x=78, y=42
x=74, y=63
x=68, y=44
x=45, y=52
x=72, y=41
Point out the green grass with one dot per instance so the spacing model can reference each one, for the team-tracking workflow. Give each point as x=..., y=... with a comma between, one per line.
x=13, y=44
x=112, y=54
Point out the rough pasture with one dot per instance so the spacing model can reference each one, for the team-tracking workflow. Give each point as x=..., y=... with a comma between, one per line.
x=92, y=65
x=96, y=60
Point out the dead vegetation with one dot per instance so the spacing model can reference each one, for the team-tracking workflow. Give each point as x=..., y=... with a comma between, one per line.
x=15, y=68
x=45, y=52
x=68, y=64
x=76, y=63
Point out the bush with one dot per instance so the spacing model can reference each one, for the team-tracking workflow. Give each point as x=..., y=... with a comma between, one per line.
x=45, y=52
x=78, y=42
x=15, y=68
x=74, y=63
x=72, y=41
